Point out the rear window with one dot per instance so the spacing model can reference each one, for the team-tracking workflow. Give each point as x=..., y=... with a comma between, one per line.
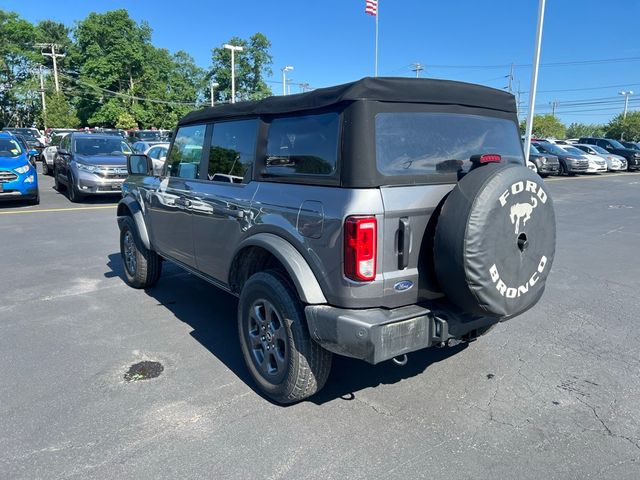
x=423, y=143
x=306, y=145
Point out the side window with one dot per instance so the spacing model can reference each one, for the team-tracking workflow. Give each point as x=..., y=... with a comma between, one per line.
x=232, y=152
x=186, y=153
x=65, y=143
x=602, y=143
x=303, y=145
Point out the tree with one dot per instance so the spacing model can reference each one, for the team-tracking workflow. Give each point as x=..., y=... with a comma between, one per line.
x=577, y=130
x=253, y=64
x=625, y=128
x=126, y=121
x=546, y=126
x=59, y=112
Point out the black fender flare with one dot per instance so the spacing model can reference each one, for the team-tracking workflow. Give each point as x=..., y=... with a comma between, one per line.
x=132, y=205
x=297, y=267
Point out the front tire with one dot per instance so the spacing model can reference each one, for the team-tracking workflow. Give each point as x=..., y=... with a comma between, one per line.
x=72, y=189
x=286, y=364
x=45, y=167
x=142, y=267
x=56, y=181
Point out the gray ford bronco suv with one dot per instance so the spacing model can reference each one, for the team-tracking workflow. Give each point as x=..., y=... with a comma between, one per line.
x=369, y=219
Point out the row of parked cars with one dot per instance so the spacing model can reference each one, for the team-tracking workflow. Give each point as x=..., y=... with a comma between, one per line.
x=583, y=155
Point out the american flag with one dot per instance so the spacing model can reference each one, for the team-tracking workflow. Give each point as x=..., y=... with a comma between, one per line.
x=371, y=7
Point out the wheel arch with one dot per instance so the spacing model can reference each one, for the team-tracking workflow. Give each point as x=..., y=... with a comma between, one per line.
x=266, y=250
x=129, y=207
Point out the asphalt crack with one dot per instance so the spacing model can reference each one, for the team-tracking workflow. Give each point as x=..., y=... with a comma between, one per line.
x=609, y=432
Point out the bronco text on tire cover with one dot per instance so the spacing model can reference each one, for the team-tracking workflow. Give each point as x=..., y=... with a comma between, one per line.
x=495, y=241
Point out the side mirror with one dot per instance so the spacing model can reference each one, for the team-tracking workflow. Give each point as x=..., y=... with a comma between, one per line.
x=139, y=164
x=32, y=153
x=63, y=152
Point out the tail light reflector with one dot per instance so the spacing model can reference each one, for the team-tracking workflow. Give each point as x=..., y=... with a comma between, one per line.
x=360, y=248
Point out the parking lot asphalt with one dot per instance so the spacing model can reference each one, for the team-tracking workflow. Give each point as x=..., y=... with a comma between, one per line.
x=550, y=394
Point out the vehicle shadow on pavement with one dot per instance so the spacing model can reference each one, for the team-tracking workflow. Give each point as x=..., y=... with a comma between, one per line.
x=212, y=315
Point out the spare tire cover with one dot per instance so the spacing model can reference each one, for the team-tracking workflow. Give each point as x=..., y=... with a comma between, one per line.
x=495, y=241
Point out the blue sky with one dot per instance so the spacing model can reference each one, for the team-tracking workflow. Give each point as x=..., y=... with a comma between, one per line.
x=331, y=42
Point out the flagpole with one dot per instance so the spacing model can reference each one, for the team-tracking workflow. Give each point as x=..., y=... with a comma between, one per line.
x=375, y=74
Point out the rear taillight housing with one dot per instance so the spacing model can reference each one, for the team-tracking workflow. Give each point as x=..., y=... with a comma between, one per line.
x=360, y=248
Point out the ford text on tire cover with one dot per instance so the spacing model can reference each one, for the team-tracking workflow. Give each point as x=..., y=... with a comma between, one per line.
x=370, y=220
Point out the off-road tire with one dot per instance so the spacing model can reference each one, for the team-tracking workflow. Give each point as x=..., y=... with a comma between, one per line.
x=147, y=266
x=305, y=365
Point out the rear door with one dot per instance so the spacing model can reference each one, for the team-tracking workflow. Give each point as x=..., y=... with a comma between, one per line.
x=221, y=210
x=170, y=204
x=427, y=151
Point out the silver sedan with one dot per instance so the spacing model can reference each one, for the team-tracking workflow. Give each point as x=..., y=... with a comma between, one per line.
x=614, y=162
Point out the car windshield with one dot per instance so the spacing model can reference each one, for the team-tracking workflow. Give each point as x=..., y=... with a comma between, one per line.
x=573, y=150
x=101, y=146
x=615, y=143
x=551, y=148
x=415, y=143
x=533, y=149
x=153, y=135
x=598, y=149
x=10, y=148
x=632, y=145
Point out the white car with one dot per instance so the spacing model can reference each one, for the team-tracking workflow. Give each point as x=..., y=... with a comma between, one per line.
x=49, y=153
x=614, y=162
x=597, y=164
x=158, y=154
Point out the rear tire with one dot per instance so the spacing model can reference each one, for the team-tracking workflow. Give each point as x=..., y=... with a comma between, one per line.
x=286, y=364
x=142, y=267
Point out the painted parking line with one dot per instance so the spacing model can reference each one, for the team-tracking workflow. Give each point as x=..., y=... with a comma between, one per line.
x=593, y=176
x=47, y=210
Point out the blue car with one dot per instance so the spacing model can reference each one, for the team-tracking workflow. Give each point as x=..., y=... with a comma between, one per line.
x=18, y=177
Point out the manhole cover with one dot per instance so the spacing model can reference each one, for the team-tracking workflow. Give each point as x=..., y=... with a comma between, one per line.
x=143, y=371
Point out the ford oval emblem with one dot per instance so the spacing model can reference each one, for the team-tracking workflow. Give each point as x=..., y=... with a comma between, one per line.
x=403, y=285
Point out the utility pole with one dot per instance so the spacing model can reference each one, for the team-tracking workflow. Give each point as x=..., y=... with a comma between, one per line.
x=626, y=95
x=54, y=56
x=417, y=67
x=304, y=87
x=284, y=71
x=510, y=77
x=518, y=100
x=233, y=49
x=553, y=104
x=44, y=103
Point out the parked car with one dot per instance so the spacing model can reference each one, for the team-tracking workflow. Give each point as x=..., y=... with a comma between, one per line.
x=158, y=154
x=90, y=164
x=614, y=162
x=372, y=219
x=32, y=153
x=142, y=146
x=545, y=164
x=631, y=145
x=49, y=153
x=570, y=163
x=615, y=147
x=597, y=164
x=18, y=176
x=145, y=135
x=35, y=140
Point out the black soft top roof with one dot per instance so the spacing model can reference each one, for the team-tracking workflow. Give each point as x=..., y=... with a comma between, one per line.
x=385, y=89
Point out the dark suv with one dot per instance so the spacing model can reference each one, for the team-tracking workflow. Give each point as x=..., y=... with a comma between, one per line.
x=370, y=220
x=613, y=146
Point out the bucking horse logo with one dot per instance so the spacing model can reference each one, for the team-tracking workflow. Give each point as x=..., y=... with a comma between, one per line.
x=522, y=211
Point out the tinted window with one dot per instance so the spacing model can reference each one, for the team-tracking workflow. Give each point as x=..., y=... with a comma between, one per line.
x=186, y=153
x=418, y=143
x=158, y=152
x=232, y=152
x=303, y=145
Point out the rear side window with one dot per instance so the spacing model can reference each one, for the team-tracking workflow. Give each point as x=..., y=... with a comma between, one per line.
x=233, y=150
x=423, y=143
x=303, y=145
x=186, y=153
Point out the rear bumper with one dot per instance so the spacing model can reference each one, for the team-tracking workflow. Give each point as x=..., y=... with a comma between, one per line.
x=375, y=335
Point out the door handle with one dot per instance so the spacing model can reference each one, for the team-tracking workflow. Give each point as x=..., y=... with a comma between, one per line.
x=404, y=243
x=183, y=202
x=232, y=212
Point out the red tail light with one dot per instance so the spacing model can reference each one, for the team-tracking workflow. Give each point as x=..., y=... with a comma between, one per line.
x=360, y=248
x=486, y=158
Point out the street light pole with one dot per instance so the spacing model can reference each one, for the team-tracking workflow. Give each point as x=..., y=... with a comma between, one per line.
x=233, y=49
x=626, y=101
x=534, y=80
x=212, y=87
x=284, y=70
